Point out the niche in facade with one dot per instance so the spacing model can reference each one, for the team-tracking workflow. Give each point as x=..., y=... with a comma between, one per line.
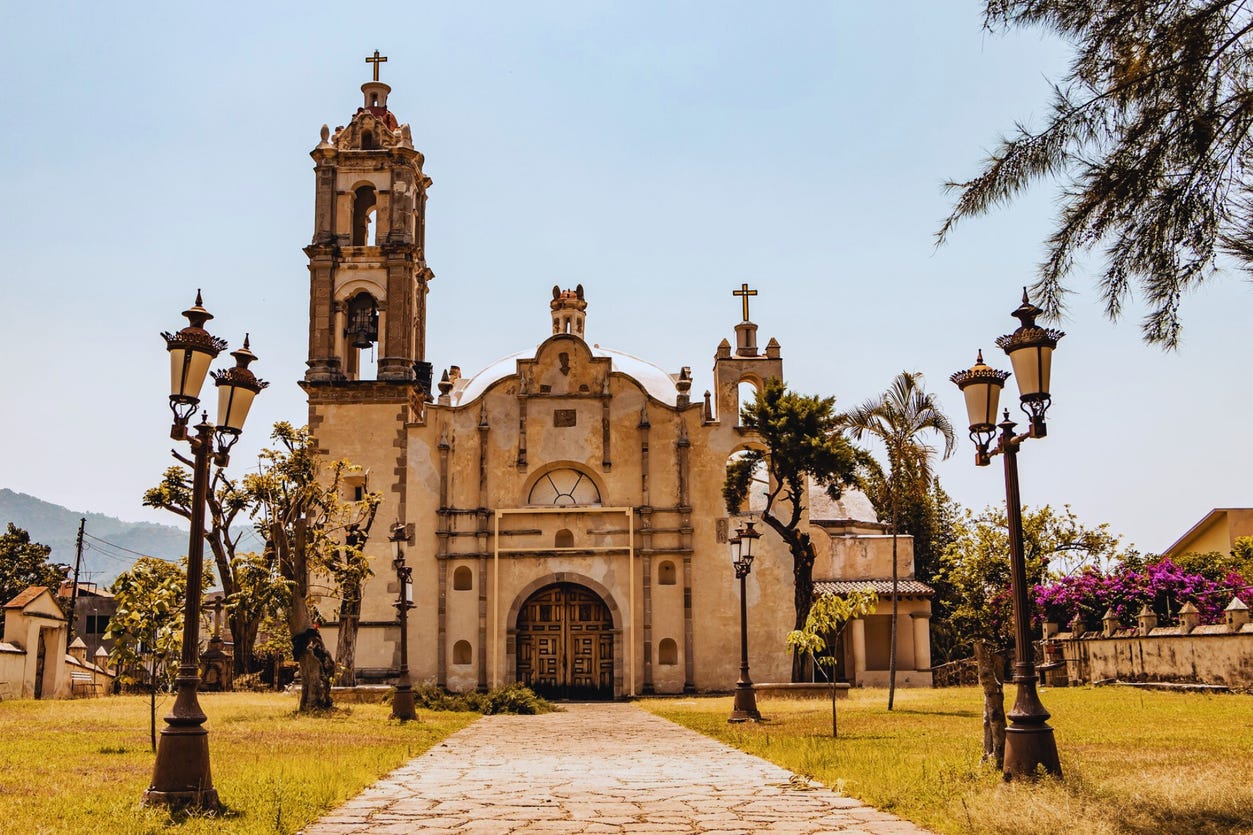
x=462, y=579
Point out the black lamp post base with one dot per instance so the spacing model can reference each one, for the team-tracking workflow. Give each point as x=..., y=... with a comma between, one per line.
x=745, y=706
x=1030, y=749
x=402, y=703
x=181, y=777
x=204, y=801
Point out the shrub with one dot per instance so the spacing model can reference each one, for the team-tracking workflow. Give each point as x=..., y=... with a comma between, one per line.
x=512, y=699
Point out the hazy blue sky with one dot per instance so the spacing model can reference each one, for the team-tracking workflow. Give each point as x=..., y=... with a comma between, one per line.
x=657, y=153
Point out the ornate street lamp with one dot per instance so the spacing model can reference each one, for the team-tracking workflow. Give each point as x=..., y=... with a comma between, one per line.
x=181, y=776
x=1029, y=742
x=402, y=698
x=745, y=707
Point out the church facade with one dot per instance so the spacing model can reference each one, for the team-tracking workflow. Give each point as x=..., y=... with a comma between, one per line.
x=563, y=506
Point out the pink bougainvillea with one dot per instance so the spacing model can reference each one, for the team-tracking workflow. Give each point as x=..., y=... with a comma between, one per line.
x=1163, y=585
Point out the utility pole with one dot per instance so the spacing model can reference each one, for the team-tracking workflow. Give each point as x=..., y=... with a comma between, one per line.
x=78, y=564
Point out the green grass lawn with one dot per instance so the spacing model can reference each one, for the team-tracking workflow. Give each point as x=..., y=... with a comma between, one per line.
x=1134, y=761
x=81, y=766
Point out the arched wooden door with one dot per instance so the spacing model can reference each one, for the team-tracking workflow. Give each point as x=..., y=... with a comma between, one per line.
x=565, y=644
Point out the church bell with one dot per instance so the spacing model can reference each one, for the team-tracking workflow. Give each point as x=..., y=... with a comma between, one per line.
x=363, y=321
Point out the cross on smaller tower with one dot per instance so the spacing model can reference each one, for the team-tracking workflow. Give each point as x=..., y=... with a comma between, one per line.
x=744, y=293
x=376, y=60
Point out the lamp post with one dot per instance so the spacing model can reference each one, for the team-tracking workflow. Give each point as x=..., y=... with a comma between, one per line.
x=402, y=698
x=1029, y=743
x=180, y=776
x=745, y=707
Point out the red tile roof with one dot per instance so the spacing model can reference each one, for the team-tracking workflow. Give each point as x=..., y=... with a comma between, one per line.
x=883, y=588
x=24, y=599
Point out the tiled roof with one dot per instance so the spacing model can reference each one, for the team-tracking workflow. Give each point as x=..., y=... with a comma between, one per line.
x=883, y=588
x=25, y=597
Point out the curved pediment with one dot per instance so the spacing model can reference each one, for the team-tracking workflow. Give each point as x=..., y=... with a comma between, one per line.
x=564, y=366
x=369, y=131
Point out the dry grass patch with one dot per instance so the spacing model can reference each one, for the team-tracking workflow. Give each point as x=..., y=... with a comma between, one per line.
x=81, y=766
x=1135, y=761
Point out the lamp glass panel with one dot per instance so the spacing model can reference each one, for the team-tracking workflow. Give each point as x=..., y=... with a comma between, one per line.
x=982, y=400
x=196, y=364
x=233, y=405
x=1031, y=367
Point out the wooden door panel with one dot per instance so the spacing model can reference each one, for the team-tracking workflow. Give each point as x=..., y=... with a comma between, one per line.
x=565, y=644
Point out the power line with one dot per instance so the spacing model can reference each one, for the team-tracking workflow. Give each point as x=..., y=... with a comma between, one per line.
x=124, y=548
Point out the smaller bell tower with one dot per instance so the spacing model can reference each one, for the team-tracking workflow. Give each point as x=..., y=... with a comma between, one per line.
x=745, y=365
x=569, y=310
x=368, y=276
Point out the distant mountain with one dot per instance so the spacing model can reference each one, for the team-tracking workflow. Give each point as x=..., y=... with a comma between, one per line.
x=57, y=527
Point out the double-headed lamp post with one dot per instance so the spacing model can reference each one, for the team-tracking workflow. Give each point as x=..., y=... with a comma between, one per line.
x=402, y=698
x=181, y=777
x=745, y=708
x=1029, y=743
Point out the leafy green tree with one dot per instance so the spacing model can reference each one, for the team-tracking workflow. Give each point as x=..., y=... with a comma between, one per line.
x=1216, y=566
x=147, y=628
x=225, y=502
x=800, y=441
x=1149, y=135
x=24, y=564
x=899, y=418
x=827, y=617
x=975, y=571
x=309, y=530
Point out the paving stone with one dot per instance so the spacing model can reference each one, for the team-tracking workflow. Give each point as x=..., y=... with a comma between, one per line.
x=596, y=768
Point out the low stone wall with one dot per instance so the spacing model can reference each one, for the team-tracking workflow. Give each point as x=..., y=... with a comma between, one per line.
x=1205, y=655
x=362, y=694
x=803, y=689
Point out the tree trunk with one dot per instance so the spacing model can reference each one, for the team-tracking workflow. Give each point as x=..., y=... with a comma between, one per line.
x=831, y=648
x=244, y=635
x=892, y=487
x=803, y=598
x=990, y=667
x=802, y=550
x=892, y=639
x=316, y=664
x=346, y=646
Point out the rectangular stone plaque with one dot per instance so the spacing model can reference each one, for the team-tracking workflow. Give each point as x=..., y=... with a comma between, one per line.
x=565, y=417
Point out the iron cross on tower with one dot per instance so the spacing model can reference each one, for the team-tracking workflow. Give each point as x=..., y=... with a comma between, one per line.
x=376, y=60
x=744, y=293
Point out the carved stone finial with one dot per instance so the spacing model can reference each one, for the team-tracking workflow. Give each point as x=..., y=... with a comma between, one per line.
x=326, y=133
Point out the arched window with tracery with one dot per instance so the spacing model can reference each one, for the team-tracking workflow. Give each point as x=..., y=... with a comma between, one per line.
x=564, y=487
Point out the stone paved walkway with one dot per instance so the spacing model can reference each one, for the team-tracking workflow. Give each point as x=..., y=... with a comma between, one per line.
x=596, y=768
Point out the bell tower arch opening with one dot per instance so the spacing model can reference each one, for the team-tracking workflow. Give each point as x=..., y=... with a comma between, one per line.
x=360, y=336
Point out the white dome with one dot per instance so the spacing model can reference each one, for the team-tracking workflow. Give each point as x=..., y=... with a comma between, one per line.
x=655, y=381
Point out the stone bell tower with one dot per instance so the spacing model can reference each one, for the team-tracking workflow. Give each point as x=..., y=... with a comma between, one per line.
x=368, y=276
x=747, y=364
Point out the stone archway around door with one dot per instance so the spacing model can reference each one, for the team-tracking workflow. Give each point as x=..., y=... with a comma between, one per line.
x=565, y=642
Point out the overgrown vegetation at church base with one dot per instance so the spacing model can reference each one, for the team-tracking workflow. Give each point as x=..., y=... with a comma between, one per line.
x=1134, y=761
x=514, y=698
x=81, y=766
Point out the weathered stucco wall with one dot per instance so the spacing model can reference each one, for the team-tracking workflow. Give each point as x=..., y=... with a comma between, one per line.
x=1214, y=658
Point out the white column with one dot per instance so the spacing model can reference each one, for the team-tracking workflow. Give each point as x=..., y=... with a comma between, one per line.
x=859, y=650
x=922, y=641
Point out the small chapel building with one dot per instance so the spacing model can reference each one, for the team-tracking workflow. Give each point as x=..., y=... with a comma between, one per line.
x=563, y=505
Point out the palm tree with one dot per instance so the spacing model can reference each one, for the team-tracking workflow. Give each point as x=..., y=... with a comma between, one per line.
x=898, y=418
